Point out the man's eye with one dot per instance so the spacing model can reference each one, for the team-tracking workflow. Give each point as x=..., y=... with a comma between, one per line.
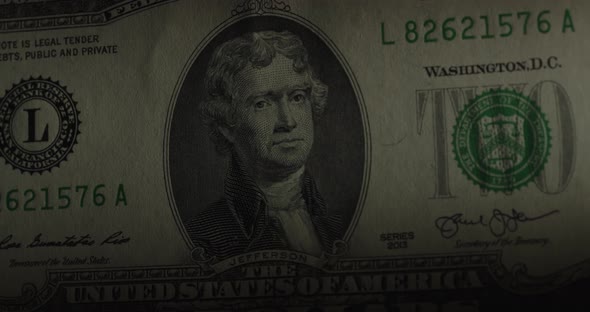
x=298, y=98
x=261, y=104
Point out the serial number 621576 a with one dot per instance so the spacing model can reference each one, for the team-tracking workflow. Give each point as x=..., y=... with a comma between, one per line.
x=64, y=197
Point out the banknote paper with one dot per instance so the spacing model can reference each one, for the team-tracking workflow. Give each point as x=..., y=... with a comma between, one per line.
x=262, y=155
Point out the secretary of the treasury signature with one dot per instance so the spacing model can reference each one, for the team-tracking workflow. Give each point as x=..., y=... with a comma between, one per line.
x=499, y=222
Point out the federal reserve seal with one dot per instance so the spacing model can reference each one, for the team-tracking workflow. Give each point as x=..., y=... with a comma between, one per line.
x=39, y=125
x=501, y=140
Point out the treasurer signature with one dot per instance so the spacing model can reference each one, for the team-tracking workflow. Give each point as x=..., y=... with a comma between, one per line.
x=499, y=222
x=41, y=240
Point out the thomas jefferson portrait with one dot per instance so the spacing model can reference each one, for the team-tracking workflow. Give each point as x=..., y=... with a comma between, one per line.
x=262, y=106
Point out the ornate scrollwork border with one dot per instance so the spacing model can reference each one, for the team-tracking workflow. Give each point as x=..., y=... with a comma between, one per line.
x=515, y=280
x=260, y=7
x=106, y=16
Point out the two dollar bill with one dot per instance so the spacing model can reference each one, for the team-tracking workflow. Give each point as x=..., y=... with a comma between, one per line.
x=318, y=156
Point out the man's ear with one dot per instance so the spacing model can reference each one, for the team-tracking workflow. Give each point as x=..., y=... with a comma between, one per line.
x=227, y=133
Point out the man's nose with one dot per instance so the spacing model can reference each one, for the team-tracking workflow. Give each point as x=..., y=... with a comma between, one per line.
x=285, y=119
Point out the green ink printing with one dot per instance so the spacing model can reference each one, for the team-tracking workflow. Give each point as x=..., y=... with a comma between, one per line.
x=64, y=197
x=501, y=140
x=489, y=26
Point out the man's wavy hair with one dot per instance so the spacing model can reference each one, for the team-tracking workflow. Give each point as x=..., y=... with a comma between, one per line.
x=258, y=49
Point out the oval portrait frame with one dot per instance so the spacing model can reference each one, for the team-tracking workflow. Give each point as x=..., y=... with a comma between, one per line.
x=350, y=225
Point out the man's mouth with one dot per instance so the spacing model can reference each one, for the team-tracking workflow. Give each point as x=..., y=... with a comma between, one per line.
x=287, y=141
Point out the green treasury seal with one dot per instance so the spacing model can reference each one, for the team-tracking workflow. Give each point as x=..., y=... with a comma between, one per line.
x=501, y=140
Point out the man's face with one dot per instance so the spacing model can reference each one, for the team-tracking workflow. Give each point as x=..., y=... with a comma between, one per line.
x=274, y=128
